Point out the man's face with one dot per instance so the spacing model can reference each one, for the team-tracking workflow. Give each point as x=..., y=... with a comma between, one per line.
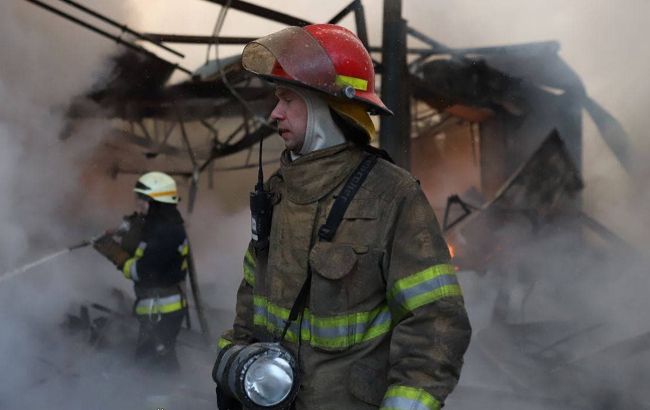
x=291, y=114
x=141, y=205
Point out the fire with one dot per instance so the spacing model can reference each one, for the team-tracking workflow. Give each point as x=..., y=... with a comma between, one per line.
x=452, y=251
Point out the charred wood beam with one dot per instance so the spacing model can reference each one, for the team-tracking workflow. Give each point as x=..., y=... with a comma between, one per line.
x=103, y=33
x=262, y=12
x=122, y=27
x=192, y=39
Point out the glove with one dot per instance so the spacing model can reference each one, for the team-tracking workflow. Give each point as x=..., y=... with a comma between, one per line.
x=111, y=250
x=130, y=232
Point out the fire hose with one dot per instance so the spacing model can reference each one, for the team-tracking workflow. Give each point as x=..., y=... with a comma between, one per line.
x=47, y=258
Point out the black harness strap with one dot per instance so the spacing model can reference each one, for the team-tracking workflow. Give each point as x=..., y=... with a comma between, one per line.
x=326, y=232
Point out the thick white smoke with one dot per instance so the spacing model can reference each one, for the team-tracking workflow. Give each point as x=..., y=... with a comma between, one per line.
x=45, y=61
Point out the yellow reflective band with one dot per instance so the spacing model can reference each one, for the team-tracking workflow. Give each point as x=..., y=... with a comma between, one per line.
x=356, y=83
x=126, y=269
x=424, y=287
x=249, y=276
x=404, y=397
x=223, y=343
x=333, y=332
x=157, y=308
x=249, y=268
x=157, y=194
x=248, y=258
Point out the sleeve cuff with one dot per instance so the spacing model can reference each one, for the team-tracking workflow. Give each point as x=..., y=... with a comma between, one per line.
x=408, y=398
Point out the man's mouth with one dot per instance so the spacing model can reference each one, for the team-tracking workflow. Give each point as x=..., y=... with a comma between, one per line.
x=281, y=131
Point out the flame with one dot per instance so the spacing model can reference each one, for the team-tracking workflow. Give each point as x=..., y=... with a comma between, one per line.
x=452, y=251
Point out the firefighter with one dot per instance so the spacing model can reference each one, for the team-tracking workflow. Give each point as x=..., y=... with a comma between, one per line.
x=151, y=248
x=383, y=323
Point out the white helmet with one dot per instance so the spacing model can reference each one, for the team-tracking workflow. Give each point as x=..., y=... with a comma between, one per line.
x=157, y=186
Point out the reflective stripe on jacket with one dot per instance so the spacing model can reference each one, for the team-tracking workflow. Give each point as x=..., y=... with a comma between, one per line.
x=385, y=325
x=167, y=304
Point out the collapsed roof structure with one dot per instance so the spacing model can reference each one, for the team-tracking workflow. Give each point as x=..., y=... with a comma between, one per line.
x=499, y=127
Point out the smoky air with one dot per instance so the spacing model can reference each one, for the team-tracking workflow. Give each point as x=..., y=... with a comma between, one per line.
x=555, y=283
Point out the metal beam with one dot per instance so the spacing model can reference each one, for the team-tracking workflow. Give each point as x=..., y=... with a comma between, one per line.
x=360, y=22
x=102, y=32
x=122, y=27
x=542, y=47
x=341, y=14
x=435, y=46
x=192, y=39
x=359, y=19
x=395, y=131
x=262, y=12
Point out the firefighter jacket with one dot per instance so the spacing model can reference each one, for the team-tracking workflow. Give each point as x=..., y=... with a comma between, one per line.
x=158, y=265
x=385, y=324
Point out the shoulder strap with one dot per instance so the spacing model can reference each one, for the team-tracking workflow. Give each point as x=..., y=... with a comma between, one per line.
x=327, y=231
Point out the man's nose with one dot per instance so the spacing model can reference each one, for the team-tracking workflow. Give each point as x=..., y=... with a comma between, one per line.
x=277, y=114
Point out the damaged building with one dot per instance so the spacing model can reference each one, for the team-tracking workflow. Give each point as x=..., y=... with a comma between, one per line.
x=495, y=137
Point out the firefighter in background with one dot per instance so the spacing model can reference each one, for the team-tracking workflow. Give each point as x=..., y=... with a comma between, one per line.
x=151, y=249
x=384, y=323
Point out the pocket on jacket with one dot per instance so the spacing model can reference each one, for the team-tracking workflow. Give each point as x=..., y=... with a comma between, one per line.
x=331, y=264
x=346, y=278
x=331, y=260
x=367, y=383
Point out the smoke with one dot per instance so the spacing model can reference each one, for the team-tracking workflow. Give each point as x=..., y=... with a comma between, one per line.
x=557, y=316
x=582, y=296
x=53, y=194
x=44, y=62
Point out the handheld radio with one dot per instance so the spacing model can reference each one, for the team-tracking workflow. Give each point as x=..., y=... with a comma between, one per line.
x=261, y=209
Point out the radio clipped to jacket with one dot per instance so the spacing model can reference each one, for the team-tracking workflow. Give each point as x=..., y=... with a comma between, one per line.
x=261, y=209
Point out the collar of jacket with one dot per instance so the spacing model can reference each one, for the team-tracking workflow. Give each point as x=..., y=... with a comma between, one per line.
x=313, y=176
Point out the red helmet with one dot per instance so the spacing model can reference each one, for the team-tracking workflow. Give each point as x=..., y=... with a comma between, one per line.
x=324, y=57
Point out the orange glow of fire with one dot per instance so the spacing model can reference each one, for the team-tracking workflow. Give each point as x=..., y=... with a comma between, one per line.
x=452, y=251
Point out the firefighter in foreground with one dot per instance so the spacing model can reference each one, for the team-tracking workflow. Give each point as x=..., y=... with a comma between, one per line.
x=351, y=303
x=150, y=248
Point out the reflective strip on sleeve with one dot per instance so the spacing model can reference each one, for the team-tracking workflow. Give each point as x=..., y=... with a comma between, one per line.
x=184, y=248
x=425, y=287
x=408, y=398
x=223, y=343
x=130, y=268
x=334, y=332
x=152, y=306
x=249, y=268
